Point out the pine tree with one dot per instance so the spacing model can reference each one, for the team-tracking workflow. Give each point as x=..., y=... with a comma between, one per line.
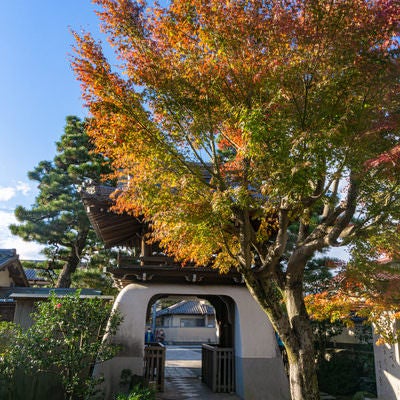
x=58, y=219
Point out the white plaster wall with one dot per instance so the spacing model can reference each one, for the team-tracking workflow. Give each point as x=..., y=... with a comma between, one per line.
x=257, y=337
x=387, y=369
x=5, y=280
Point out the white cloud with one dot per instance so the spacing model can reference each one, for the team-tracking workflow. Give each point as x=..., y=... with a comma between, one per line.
x=7, y=193
x=23, y=187
x=25, y=250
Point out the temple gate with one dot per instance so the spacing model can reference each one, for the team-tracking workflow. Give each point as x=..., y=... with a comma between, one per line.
x=148, y=275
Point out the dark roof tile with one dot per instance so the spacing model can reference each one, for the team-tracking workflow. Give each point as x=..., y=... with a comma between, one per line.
x=7, y=255
x=187, y=307
x=32, y=275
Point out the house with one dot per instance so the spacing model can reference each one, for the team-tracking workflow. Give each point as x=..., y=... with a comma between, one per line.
x=188, y=322
x=18, y=298
x=25, y=299
x=12, y=275
x=36, y=279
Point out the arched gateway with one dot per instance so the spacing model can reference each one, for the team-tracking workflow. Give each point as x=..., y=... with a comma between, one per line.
x=258, y=368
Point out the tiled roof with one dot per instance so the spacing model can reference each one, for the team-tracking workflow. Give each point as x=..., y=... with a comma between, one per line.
x=187, y=307
x=9, y=259
x=30, y=292
x=32, y=275
x=4, y=293
x=6, y=255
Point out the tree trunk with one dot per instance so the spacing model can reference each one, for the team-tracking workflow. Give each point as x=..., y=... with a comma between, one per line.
x=294, y=328
x=64, y=279
x=299, y=343
x=302, y=373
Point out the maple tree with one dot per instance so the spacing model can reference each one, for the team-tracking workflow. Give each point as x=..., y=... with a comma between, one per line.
x=244, y=129
x=368, y=287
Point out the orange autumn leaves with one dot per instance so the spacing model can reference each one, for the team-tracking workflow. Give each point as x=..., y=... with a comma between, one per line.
x=373, y=296
x=253, y=94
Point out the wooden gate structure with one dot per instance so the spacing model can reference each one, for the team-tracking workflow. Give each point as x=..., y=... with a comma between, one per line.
x=253, y=369
x=154, y=365
x=218, y=368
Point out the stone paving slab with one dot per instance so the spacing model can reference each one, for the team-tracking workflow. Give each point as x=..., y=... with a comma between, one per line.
x=187, y=388
x=183, y=376
x=179, y=372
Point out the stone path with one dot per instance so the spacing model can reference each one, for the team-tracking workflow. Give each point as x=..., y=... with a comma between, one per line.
x=186, y=388
x=183, y=377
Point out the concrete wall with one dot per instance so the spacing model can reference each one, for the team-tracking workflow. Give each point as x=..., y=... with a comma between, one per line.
x=259, y=368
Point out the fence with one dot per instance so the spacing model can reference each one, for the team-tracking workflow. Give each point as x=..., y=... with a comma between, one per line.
x=218, y=368
x=154, y=365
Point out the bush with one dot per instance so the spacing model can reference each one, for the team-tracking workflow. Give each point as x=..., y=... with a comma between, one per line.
x=65, y=342
x=342, y=368
x=139, y=392
x=8, y=330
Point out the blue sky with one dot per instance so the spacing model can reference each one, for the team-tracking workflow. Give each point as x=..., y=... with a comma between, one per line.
x=38, y=90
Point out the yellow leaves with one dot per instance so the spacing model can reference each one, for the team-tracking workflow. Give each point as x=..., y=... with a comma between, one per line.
x=224, y=261
x=269, y=225
x=222, y=203
x=323, y=306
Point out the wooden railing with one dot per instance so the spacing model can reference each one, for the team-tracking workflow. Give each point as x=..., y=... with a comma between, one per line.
x=218, y=368
x=154, y=365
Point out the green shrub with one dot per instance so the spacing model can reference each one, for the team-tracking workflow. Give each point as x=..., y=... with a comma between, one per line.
x=340, y=375
x=8, y=330
x=139, y=392
x=362, y=395
x=64, y=343
x=358, y=396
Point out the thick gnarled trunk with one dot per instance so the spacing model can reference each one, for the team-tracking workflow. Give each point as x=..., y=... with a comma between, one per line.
x=64, y=278
x=301, y=354
x=302, y=376
x=71, y=264
x=298, y=337
x=293, y=326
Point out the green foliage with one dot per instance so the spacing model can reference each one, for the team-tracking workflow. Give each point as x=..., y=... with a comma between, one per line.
x=58, y=219
x=351, y=370
x=66, y=340
x=362, y=395
x=139, y=392
x=8, y=330
x=317, y=275
x=323, y=333
x=93, y=278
